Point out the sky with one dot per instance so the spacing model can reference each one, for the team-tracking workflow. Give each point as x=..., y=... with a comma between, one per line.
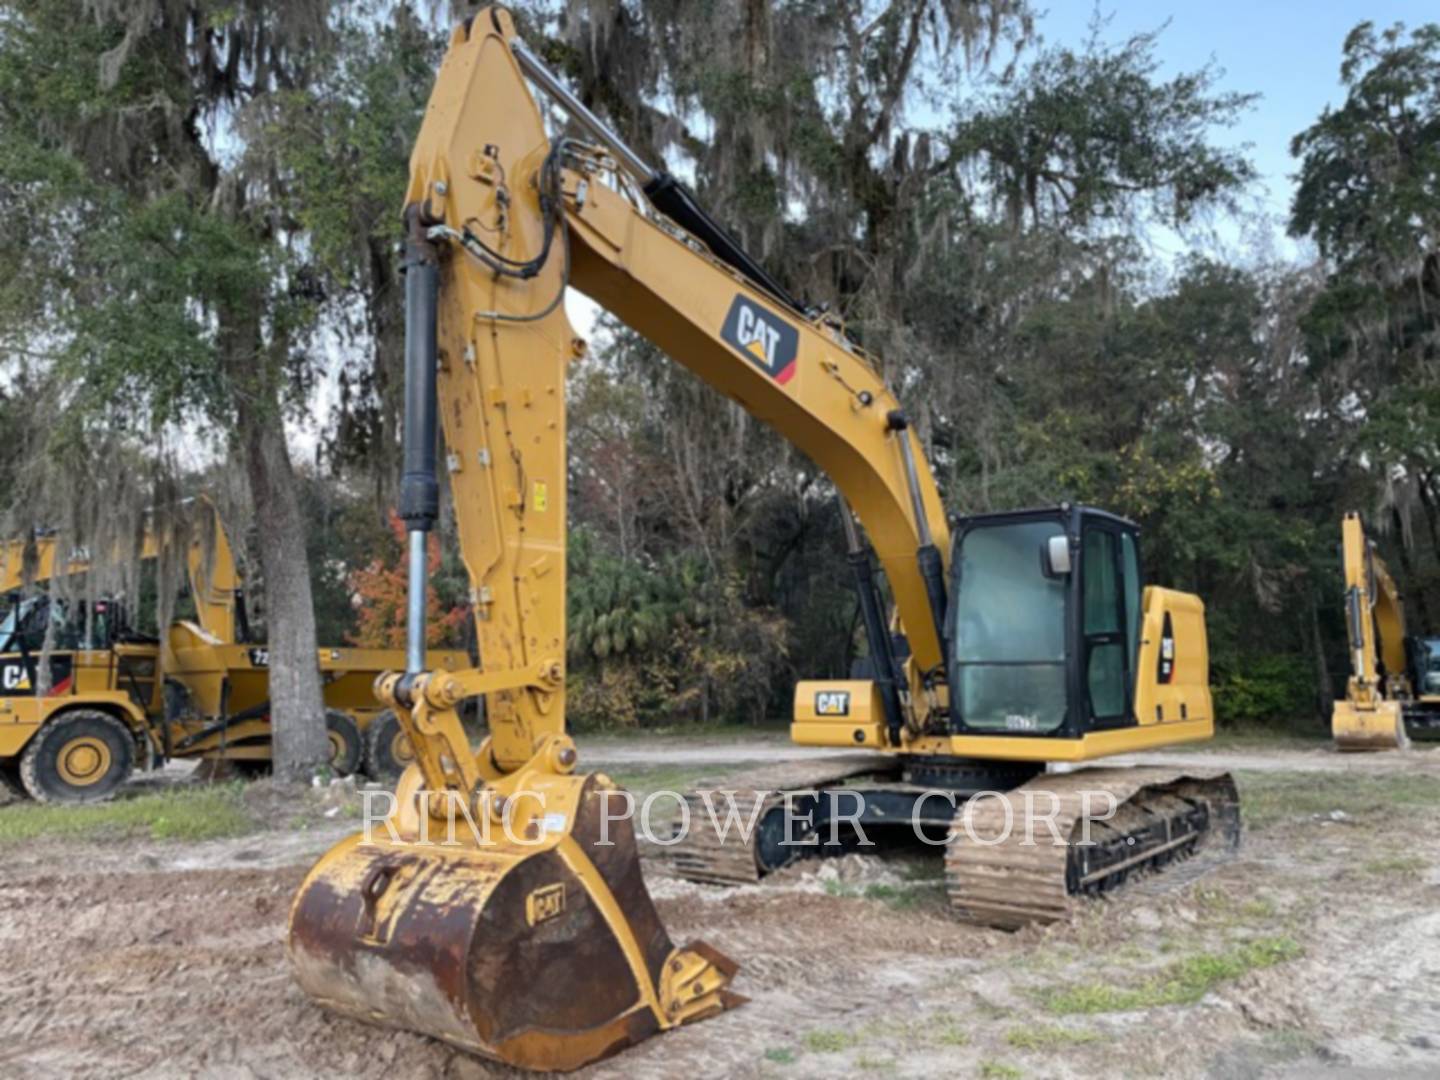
x=1286, y=50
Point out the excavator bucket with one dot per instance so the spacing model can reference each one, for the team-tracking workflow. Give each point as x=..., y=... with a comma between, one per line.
x=544, y=951
x=1377, y=727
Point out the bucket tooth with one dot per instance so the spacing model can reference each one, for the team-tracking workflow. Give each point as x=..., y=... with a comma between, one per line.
x=696, y=984
x=543, y=955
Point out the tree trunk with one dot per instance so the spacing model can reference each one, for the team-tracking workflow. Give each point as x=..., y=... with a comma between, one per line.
x=1412, y=591
x=297, y=711
x=1324, y=685
x=386, y=306
x=1428, y=502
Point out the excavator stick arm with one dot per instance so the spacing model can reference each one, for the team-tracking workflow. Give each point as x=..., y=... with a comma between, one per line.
x=531, y=939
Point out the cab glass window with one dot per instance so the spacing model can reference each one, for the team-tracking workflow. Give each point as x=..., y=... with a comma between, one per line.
x=1008, y=631
x=1130, y=569
x=1105, y=645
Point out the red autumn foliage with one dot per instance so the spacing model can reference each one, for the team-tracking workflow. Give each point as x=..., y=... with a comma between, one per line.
x=379, y=591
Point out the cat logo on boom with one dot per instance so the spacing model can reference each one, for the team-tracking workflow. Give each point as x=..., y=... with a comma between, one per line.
x=763, y=337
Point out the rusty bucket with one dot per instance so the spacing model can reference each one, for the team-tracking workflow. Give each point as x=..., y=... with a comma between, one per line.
x=545, y=955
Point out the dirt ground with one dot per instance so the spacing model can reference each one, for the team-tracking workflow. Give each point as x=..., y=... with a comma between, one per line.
x=1315, y=951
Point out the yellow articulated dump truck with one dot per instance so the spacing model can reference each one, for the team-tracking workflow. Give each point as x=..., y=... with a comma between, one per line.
x=85, y=699
x=1008, y=644
x=78, y=726
x=1393, y=692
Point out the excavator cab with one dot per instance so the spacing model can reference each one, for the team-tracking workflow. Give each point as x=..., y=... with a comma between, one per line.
x=1045, y=627
x=1424, y=664
x=1422, y=714
x=1055, y=650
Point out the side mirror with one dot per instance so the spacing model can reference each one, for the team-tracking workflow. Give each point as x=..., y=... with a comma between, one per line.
x=1055, y=556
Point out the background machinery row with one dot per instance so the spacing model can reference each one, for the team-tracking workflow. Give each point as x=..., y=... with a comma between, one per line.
x=86, y=699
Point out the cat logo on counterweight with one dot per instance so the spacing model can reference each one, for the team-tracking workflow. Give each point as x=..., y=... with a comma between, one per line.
x=765, y=339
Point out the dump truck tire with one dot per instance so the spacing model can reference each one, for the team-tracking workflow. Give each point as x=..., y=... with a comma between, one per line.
x=387, y=749
x=346, y=749
x=79, y=756
x=11, y=789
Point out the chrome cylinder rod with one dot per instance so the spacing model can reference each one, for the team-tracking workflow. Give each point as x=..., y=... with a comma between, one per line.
x=415, y=603
x=544, y=78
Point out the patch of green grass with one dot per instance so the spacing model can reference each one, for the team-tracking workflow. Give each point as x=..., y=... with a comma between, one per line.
x=1223, y=907
x=1192, y=978
x=1183, y=982
x=1049, y=1038
x=780, y=1055
x=924, y=870
x=950, y=1034
x=1257, y=737
x=867, y=1063
x=891, y=895
x=1098, y=997
x=774, y=728
x=202, y=812
x=1395, y=865
x=999, y=1070
x=1268, y=798
x=895, y=897
x=830, y=1041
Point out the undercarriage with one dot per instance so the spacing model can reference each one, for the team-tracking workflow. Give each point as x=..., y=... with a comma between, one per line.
x=1020, y=845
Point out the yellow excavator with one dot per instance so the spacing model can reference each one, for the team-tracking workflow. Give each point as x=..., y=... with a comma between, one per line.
x=112, y=700
x=1394, y=685
x=1021, y=641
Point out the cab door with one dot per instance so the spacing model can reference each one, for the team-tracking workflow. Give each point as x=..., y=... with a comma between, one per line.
x=1109, y=618
x=136, y=658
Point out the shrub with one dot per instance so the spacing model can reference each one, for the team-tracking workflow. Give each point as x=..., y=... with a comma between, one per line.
x=658, y=643
x=1270, y=689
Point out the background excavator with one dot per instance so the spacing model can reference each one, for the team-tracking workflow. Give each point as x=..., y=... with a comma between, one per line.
x=113, y=699
x=1394, y=687
x=1019, y=641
